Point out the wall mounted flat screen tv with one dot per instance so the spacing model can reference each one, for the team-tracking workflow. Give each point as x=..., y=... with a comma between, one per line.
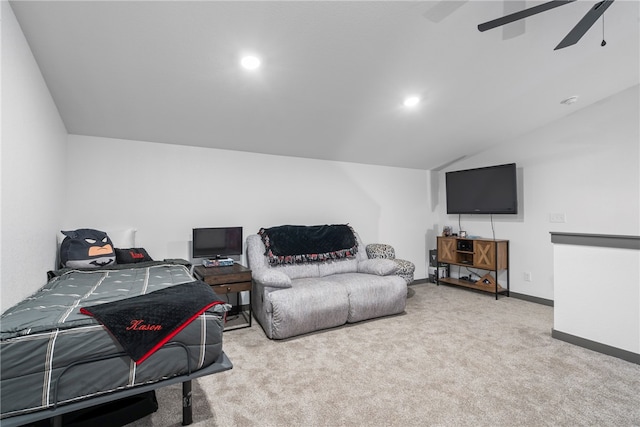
x=488, y=190
x=216, y=242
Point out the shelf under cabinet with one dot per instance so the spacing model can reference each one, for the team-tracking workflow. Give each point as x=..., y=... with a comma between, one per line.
x=473, y=285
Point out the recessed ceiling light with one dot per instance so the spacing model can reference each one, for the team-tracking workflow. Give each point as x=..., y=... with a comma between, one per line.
x=411, y=101
x=250, y=62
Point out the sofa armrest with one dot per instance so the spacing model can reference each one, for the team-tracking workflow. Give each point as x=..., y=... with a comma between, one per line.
x=272, y=278
x=377, y=266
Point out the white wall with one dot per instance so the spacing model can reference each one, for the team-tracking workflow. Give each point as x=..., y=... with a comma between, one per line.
x=585, y=166
x=166, y=190
x=601, y=304
x=33, y=169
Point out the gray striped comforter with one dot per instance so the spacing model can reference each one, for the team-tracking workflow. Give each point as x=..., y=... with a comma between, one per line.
x=52, y=353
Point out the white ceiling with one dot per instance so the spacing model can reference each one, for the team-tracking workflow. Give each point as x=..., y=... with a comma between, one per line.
x=333, y=77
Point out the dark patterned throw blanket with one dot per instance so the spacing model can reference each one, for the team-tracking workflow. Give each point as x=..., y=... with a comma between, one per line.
x=291, y=244
x=144, y=323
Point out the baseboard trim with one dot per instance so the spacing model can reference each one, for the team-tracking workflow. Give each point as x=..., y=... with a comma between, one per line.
x=537, y=300
x=529, y=298
x=596, y=346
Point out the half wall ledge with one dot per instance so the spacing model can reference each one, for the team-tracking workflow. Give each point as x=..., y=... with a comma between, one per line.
x=597, y=240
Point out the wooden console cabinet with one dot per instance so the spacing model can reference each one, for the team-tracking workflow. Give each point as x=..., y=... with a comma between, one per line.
x=483, y=254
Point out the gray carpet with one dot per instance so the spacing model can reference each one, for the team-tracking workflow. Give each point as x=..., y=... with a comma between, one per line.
x=455, y=358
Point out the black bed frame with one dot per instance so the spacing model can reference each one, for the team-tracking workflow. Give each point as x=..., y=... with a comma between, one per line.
x=56, y=412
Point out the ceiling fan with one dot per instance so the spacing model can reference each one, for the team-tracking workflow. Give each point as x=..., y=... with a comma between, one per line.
x=442, y=9
x=574, y=35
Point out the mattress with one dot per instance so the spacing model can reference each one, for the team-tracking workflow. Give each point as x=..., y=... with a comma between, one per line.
x=53, y=355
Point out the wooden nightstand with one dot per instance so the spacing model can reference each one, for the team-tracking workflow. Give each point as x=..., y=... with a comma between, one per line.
x=230, y=280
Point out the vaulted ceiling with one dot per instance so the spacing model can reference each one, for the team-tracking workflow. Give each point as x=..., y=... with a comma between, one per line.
x=333, y=74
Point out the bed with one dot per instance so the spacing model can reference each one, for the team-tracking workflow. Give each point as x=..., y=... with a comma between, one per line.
x=56, y=359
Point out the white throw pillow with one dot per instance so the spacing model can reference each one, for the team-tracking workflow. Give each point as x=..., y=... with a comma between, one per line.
x=378, y=266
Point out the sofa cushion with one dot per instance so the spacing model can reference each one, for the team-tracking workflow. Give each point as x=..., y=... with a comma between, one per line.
x=296, y=271
x=337, y=266
x=372, y=296
x=309, y=305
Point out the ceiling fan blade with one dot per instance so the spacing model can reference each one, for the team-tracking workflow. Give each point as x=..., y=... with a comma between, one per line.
x=585, y=23
x=522, y=14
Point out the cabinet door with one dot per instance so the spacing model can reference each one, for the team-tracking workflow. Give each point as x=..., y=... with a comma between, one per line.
x=447, y=249
x=484, y=254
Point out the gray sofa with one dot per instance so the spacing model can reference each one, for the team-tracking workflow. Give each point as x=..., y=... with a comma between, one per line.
x=294, y=299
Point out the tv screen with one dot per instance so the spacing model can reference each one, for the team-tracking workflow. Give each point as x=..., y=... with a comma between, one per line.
x=216, y=242
x=488, y=190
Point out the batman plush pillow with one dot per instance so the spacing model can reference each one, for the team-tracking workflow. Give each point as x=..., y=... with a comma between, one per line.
x=86, y=248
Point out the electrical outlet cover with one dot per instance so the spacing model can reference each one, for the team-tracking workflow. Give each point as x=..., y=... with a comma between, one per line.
x=557, y=217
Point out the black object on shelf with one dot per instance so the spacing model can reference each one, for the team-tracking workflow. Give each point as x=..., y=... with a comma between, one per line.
x=433, y=258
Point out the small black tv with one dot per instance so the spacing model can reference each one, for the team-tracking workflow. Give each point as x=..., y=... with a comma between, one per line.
x=216, y=242
x=487, y=190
